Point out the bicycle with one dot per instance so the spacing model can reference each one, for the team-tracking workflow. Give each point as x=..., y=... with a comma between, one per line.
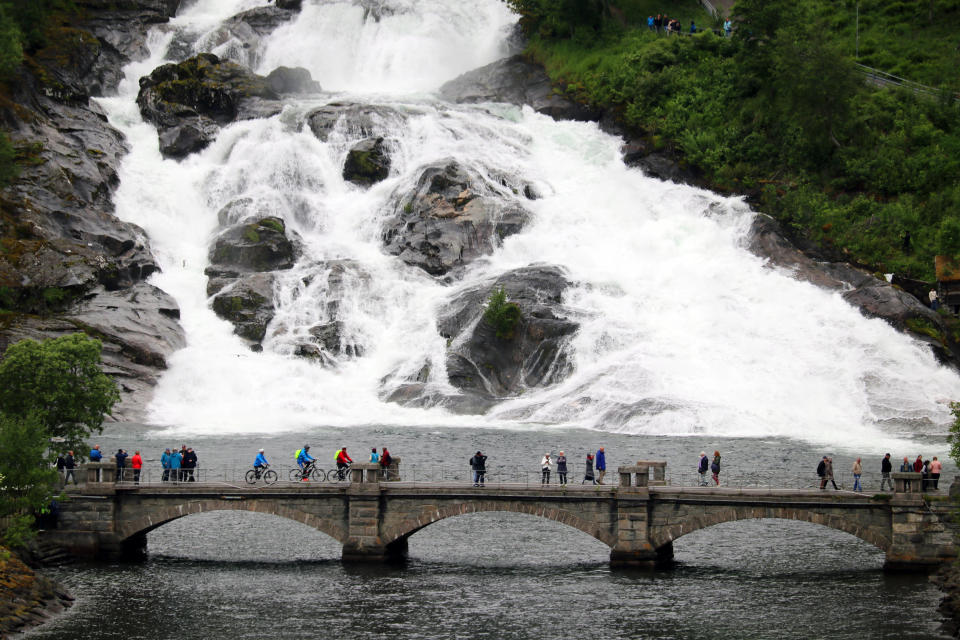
x=311, y=471
x=269, y=475
x=340, y=474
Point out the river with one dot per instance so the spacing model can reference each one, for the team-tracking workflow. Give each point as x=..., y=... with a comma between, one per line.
x=687, y=342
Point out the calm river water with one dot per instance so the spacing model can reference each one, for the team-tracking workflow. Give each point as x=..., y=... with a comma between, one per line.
x=495, y=575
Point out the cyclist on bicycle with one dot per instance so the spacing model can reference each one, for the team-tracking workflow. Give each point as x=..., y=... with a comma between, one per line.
x=260, y=463
x=343, y=461
x=305, y=462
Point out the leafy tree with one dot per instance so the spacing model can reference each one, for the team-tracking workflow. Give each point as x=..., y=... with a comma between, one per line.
x=954, y=437
x=11, y=51
x=60, y=384
x=503, y=316
x=27, y=479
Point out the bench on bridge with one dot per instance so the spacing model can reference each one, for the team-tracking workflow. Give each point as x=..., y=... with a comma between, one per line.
x=641, y=472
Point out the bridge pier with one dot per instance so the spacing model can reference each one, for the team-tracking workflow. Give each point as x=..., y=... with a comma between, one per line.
x=921, y=539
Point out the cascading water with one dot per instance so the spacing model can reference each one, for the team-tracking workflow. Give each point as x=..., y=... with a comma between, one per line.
x=682, y=331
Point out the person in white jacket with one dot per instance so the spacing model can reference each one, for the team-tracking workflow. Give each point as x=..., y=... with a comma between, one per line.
x=545, y=469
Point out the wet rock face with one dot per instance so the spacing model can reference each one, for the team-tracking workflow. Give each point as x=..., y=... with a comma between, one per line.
x=244, y=260
x=367, y=163
x=248, y=304
x=68, y=264
x=451, y=217
x=367, y=120
x=189, y=101
x=874, y=298
x=488, y=368
x=292, y=80
x=262, y=245
x=515, y=81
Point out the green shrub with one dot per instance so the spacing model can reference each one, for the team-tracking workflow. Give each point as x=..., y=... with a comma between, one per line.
x=503, y=316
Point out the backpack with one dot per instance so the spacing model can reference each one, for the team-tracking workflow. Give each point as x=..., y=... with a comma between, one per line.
x=296, y=454
x=821, y=468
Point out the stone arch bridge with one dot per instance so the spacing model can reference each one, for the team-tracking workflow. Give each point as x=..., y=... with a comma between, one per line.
x=373, y=520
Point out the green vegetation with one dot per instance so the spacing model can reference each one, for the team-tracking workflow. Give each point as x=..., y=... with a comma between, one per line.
x=59, y=384
x=779, y=112
x=53, y=389
x=503, y=316
x=954, y=437
x=273, y=223
x=27, y=479
x=23, y=24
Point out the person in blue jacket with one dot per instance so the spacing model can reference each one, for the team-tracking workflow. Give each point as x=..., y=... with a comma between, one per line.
x=305, y=462
x=601, y=465
x=260, y=463
x=374, y=456
x=95, y=455
x=651, y=24
x=165, y=464
x=175, y=461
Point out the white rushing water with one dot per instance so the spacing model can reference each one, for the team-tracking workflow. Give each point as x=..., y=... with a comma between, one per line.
x=682, y=330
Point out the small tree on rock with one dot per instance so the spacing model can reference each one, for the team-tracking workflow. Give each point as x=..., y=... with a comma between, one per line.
x=503, y=316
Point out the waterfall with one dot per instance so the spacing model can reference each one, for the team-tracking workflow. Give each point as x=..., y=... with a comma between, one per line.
x=682, y=330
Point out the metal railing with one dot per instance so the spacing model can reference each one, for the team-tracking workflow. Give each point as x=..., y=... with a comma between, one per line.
x=513, y=476
x=884, y=79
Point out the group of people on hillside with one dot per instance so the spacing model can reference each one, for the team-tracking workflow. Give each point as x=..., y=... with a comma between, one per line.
x=672, y=25
x=930, y=470
x=667, y=24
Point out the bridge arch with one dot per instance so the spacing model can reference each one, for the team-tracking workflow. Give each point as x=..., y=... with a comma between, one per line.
x=142, y=525
x=399, y=532
x=666, y=534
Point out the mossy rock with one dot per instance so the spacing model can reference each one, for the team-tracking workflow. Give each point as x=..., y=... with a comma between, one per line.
x=262, y=245
x=367, y=163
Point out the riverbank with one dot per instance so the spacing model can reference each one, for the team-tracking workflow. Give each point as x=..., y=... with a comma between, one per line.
x=27, y=598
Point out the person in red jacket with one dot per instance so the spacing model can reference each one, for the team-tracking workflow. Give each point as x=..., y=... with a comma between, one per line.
x=918, y=464
x=136, y=463
x=343, y=461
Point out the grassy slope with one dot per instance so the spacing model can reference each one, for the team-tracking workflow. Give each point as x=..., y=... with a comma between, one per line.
x=896, y=172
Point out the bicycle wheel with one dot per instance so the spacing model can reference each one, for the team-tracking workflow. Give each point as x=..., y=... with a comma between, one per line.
x=318, y=475
x=334, y=475
x=294, y=474
x=269, y=476
x=251, y=477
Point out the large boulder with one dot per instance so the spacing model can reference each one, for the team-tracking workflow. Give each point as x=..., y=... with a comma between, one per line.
x=292, y=80
x=488, y=368
x=451, y=217
x=262, y=245
x=516, y=81
x=367, y=163
x=249, y=304
x=189, y=101
x=244, y=260
x=367, y=120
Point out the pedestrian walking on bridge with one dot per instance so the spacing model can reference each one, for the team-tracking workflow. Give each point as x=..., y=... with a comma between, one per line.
x=562, y=469
x=857, y=472
x=885, y=468
x=601, y=465
x=545, y=469
x=479, y=465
